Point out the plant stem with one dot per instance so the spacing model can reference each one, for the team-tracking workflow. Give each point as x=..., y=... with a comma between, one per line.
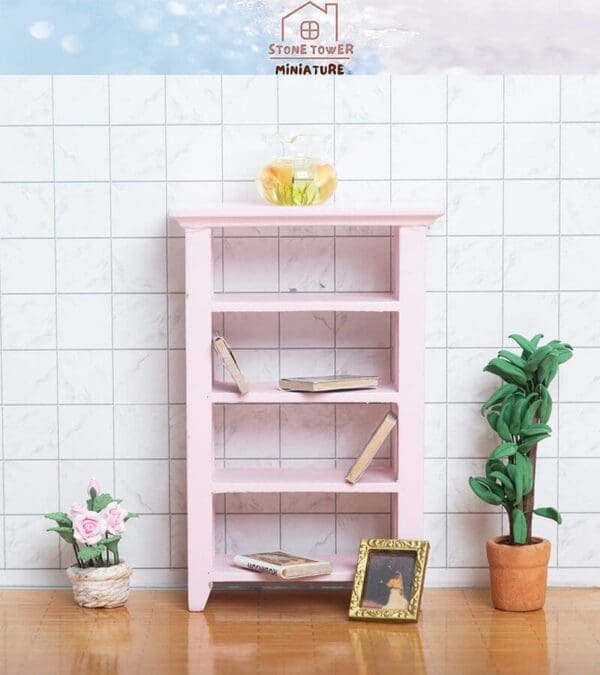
x=528, y=500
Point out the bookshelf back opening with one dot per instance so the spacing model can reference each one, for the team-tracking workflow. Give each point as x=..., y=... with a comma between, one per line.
x=302, y=260
x=272, y=345
x=297, y=435
x=312, y=524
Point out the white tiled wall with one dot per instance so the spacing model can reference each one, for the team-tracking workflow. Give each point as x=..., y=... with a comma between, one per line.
x=91, y=311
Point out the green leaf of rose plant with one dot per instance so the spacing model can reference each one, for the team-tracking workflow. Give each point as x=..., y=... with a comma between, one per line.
x=100, y=502
x=65, y=532
x=61, y=518
x=87, y=553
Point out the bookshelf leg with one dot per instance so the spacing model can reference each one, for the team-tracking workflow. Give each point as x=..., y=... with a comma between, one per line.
x=198, y=592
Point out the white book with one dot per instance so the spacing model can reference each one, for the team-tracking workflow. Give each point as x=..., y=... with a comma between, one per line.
x=370, y=450
x=229, y=360
x=282, y=565
x=329, y=383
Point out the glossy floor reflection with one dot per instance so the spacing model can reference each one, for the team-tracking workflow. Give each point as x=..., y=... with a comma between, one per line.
x=291, y=632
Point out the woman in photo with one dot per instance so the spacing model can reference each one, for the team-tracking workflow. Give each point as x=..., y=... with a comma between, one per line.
x=396, y=598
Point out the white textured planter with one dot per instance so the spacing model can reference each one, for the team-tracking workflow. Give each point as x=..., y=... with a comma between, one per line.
x=100, y=586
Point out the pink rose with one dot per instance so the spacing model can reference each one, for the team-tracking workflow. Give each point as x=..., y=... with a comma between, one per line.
x=75, y=510
x=114, y=515
x=93, y=484
x=89, y=527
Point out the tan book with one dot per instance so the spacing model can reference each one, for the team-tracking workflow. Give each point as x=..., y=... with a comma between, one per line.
x=224, y=351
x=331, y=383
x=375, y=442
x=283, y=564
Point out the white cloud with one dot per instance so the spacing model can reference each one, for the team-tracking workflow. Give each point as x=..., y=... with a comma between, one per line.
x=70, y=44
x=149, y=21
x=171, y=39
x=177, y=8
x=41, y=30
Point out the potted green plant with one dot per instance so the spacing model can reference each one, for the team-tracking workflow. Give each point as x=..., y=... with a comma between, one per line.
x=519, y=411
x=94, y=529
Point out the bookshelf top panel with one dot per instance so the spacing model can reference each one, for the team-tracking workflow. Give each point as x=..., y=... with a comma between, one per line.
x=254, y=215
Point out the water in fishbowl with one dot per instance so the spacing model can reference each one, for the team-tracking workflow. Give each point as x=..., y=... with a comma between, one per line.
x=296, y=179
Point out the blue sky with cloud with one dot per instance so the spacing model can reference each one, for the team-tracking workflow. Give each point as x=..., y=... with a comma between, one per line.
x=137, y=36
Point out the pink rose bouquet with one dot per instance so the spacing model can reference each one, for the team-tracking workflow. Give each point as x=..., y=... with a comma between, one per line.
x=94, y=529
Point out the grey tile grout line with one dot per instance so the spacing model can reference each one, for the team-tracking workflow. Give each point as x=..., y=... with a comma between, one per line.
x=56, y=361
x=169, y=471
x=112, y=310
x=502, y=246
x=439, y=123
x=446, y=559
x=218, y=180
x=559, y=280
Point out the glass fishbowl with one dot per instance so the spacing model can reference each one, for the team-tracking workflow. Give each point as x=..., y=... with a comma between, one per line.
x=296, y=178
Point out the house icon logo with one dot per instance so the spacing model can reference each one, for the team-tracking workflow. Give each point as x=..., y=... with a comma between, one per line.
x=310, y=22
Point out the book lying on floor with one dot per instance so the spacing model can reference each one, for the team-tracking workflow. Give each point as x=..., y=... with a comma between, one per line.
x=370, y=450
x=332, y=383
x=224, y=351
x=282, y=565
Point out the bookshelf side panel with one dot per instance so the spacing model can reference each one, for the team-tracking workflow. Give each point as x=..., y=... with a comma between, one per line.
x=408, y=329
x=198, y=259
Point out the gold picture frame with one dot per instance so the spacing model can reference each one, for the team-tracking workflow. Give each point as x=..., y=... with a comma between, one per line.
x=385, y=569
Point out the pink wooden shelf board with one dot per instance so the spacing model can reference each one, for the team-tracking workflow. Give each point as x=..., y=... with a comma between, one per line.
x=375, y=479
x=224, y=570
x=269, y=392
x=304, y=302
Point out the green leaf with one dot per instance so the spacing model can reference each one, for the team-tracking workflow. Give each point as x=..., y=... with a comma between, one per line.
x=66, y=533
x=531, y=412
x=538, y=356
x=535, y=429
x=499, y=395
x=525, y=345
x=519, y=526
x=546, y=406
x=528, y=443
x=563, y=355
x=492, y=419
x=131, y=514
x=547, y=370
x=60, y=518
x=548, y=512
x=503, y=429
x=504, y=450
x=516, y=414
x=111, y=542
x=101, y=502
x=513, y=358
x=507, y=371
x=483, y=490
x=87, y=553
x=507, y=484
x=535, y=340
x=494, y=465
x=525, y=468
x=516, y=475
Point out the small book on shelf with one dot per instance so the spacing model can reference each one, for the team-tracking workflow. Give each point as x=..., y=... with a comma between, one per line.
x=370, y=450
x=224, y=351
x=331, y=383
x=282, y=565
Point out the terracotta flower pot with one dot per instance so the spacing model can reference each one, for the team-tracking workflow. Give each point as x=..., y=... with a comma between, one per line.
x=518, y=574
x=100, y=586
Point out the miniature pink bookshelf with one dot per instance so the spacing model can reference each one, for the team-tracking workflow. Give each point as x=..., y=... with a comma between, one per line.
x=406, y=305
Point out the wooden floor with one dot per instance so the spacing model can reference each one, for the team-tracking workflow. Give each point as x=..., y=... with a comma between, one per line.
x=295, y=632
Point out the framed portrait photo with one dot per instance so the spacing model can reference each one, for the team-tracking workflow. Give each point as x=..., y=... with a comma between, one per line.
x=388, y=582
